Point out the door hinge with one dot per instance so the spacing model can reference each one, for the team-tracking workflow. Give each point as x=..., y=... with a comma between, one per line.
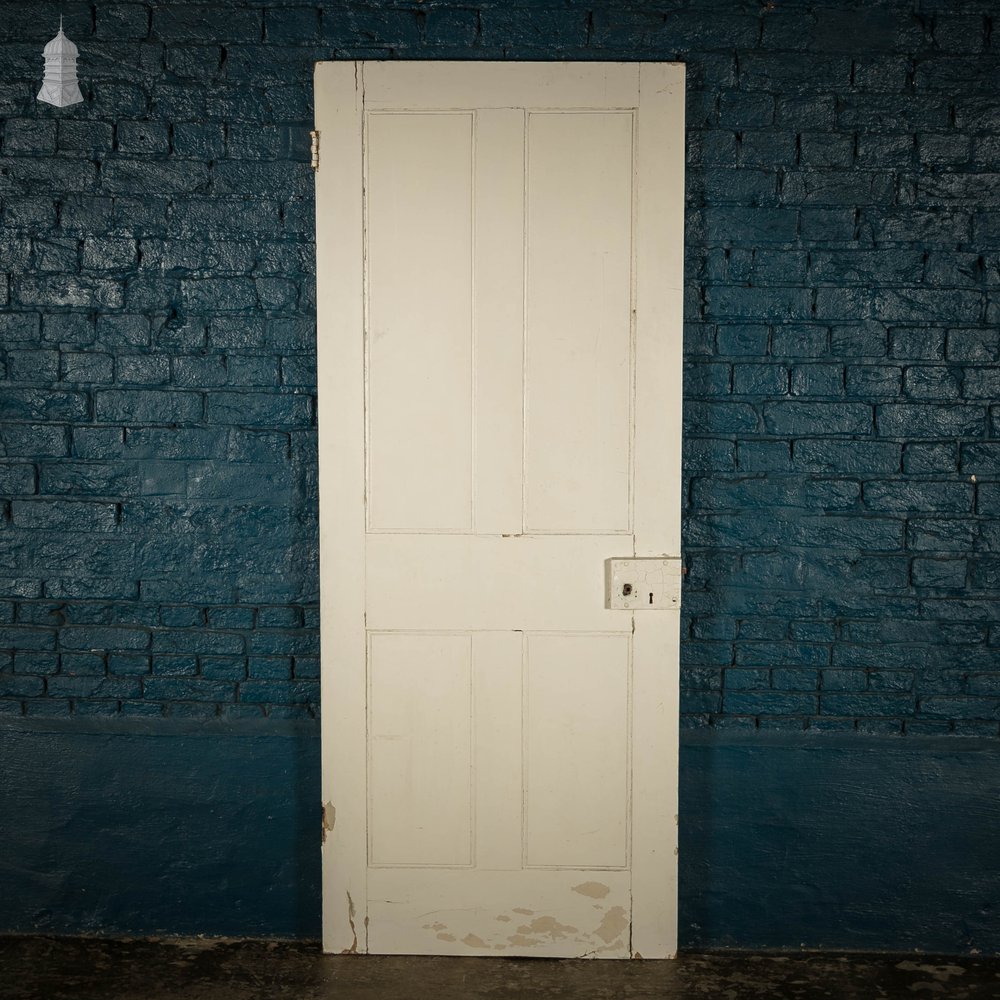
x=314, y=135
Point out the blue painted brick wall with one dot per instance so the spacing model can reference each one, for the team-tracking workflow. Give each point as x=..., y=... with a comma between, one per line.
x=157, y=350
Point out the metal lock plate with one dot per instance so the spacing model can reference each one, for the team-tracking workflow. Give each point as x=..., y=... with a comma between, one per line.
x=643, y=584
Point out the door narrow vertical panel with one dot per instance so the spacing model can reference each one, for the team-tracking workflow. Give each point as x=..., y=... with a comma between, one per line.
x=576, y=750
x=499, y=319
x=419, y=226
x=496, y=660
x=578, y=373
x=420, y=749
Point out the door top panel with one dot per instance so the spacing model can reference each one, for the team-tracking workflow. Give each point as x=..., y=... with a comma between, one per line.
x=421, y=84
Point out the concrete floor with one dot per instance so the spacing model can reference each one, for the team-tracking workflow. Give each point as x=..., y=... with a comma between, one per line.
x=97, y=969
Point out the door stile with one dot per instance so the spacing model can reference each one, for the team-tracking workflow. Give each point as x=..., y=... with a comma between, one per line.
x=340, y=257
x=659, y=335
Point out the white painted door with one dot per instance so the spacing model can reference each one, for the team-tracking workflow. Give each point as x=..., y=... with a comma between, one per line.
x=499, y=263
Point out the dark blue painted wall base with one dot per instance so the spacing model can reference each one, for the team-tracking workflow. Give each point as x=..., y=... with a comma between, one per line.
x=785, y=844
x=838, y=843
x=180, y=830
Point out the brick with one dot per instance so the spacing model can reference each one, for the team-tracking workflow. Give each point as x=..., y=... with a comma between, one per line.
x=759, y=303
x=958, y=707
x=822, y=418
x=817, y=380
x=172, y=689
x=739, y=226
x=985, y=573
x=67, y=290
x=764, y=456
x=769, y=703
x=698, y=701
x=980, y=458
x=33, y=441
x=742, y=340
x=34, y=215
x=193, y=62
x=198, y=141
x=306, y=667
x=843, y=680
x=891, y=680
x=147, y=406
x=269, y=667
x=720, y=418
x=939, y=573
x=21, y=687
x=858, y=341
x=788, y=679
x=836, y=187
x=125, y=176
x=104, y=254
x=933, y=382
x=826, y=149
x=51, y=708
x=27, y=135
x=828, y=225
x=917, y=344
x=940, y=534
x=800, y=341
x=19, y=327
x=94, y=637
x=885, y=151
x=837, y=531
x=219, y=294
x=93, y=687
x=141, y=138
x=868, y=381
x=142, y=709
x=142, y=369
x=757, y=628
x=62, y=515
x=279, y=692
x=86, y=367
x=97, y=442
x=981, y=383
x=760, y=380
x=174, y=666
x=128, y=664
x=782, y=654
x=223, y=668
x=768, y=148
x=973, y=345
x=181, y=616
x=287, y=643
x=259, y=409
x=747, y=680
x=867, y=703
x=53, y=254
x=35, y=663
x=92, y=137
x=925, y=497
x=923, y=420
x=706, y=653
x=82, y=664
x=930, y=458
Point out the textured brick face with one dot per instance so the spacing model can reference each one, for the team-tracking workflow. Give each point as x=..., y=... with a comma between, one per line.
x=157, y=351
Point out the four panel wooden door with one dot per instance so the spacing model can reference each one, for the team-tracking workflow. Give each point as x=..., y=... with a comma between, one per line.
x=499, y=272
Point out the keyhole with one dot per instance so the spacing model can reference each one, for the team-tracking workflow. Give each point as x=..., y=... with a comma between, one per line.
x=651, y=598
x=626, y=590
